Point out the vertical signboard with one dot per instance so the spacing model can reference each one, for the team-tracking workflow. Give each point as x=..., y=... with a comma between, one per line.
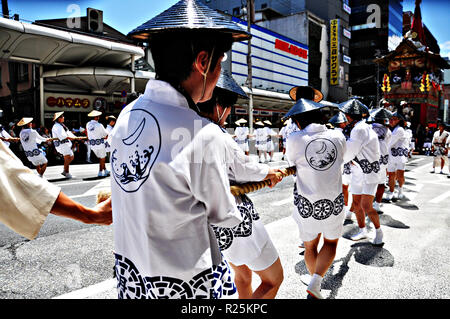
x=334, y=51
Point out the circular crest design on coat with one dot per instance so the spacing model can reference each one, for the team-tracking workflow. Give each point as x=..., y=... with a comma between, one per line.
x=321, y=154
x=130, y=284
x=304, y=206
x=244, y=229
x=323, y=209
x=224, y=236
x=338, y=204
x=136, y=148
x=161, y=287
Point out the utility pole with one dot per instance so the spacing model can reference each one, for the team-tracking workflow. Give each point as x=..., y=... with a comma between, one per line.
x=5, y=9
x=250, y=18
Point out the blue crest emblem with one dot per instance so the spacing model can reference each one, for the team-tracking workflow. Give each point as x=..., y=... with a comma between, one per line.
x=132, y=161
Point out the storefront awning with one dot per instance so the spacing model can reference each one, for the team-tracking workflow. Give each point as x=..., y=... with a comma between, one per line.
x=98, y=80
x=25, y=42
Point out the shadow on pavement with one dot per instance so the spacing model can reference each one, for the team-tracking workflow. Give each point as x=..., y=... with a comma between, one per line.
x=364, y=253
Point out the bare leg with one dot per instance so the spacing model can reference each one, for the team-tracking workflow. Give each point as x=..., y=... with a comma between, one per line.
x=271, y=279
x=67, y=160
x=358, y=210
x=366, y=205
x=243, y=281
x=379, y=194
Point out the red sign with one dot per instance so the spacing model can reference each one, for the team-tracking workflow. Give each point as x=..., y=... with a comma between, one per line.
x=68, y=102
x=290, y=48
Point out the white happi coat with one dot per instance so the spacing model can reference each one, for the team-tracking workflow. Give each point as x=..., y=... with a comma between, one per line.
x=364, y=149
x=399, y=145
x=62, y=144
x=96, y=134
x=243, y=243
x=318, y=156
x=261, y=139
x=242, y=133
x=269, y=143
x=5, y=134
x=107, y=145
x=30, y=139
x=439, y=141
x=169, y=184
x=384, y=138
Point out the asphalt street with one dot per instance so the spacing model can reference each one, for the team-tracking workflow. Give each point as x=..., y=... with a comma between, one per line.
x=73, y=260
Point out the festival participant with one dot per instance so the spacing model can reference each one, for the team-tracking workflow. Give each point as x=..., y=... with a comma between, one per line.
x=5, y=137
x=398, y=155
x=242, y=135
x=169, y=181
x=111, y=122
x=260, y=141
x=247, y=246
x=30, y=139
x=62, y=142
x=97, y=135
x=317, y=153
x=363, y=148
x=339, y=121
x=438, y=148
x=412, y=143
x=24, y=209
x=380, y=124
x=296, y=93
x=270, y=147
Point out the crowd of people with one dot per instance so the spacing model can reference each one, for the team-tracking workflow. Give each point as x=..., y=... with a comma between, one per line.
x=178, y=230
x=37, y=147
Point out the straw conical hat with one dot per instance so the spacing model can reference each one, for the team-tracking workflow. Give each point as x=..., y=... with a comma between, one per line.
x=25, y=121
x=57, y=115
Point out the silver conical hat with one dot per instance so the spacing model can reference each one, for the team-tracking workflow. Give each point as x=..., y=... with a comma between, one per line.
x=353, y=106
x=226, y=82
x=303, y=106
x=338, y=118
x=191, y=15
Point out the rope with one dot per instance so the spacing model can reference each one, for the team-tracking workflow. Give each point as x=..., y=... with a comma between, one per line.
x=236, y=190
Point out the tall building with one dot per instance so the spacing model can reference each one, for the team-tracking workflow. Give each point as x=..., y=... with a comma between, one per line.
x=307, y=22
x=376, y=29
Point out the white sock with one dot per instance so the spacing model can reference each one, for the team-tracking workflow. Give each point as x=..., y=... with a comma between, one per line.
x=316, y=282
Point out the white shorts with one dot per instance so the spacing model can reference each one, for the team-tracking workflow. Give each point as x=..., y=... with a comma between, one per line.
x=329, y=232
x=268, y=256
x=427, y=145
x=65, y=149
x=346, y=179
x=395, y=166
x=38, y=160
x=100, y=152
x=363, y=188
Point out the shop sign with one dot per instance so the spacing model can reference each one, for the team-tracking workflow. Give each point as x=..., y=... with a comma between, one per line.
x=346, y=33
x=346, y=59
x=334, y=45
x=67, y=102
x=290, y=48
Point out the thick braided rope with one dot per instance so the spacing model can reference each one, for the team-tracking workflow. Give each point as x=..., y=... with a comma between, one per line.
x=236, y=190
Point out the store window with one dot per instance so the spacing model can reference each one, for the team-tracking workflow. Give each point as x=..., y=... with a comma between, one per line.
x=22, y=72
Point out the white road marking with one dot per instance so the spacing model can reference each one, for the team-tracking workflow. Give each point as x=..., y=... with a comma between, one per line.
x=282, y=202
x=90, y=290
x=104, y=184
x=440, y=198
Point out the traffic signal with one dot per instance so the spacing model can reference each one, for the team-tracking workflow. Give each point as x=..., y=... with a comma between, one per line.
x=95, y=20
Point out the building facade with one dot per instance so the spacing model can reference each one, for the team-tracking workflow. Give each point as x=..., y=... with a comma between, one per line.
x=307, y=22
x=376, y=29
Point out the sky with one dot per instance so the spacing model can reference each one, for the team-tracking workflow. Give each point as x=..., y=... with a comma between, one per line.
x=125, y=15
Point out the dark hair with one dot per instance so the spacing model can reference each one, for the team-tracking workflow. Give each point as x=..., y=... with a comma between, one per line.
x=174, y=52
x=356, y=117
x=221, y=97
x=316, y=116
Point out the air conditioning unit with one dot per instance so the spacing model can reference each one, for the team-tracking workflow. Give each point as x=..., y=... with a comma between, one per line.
x=95, y=20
